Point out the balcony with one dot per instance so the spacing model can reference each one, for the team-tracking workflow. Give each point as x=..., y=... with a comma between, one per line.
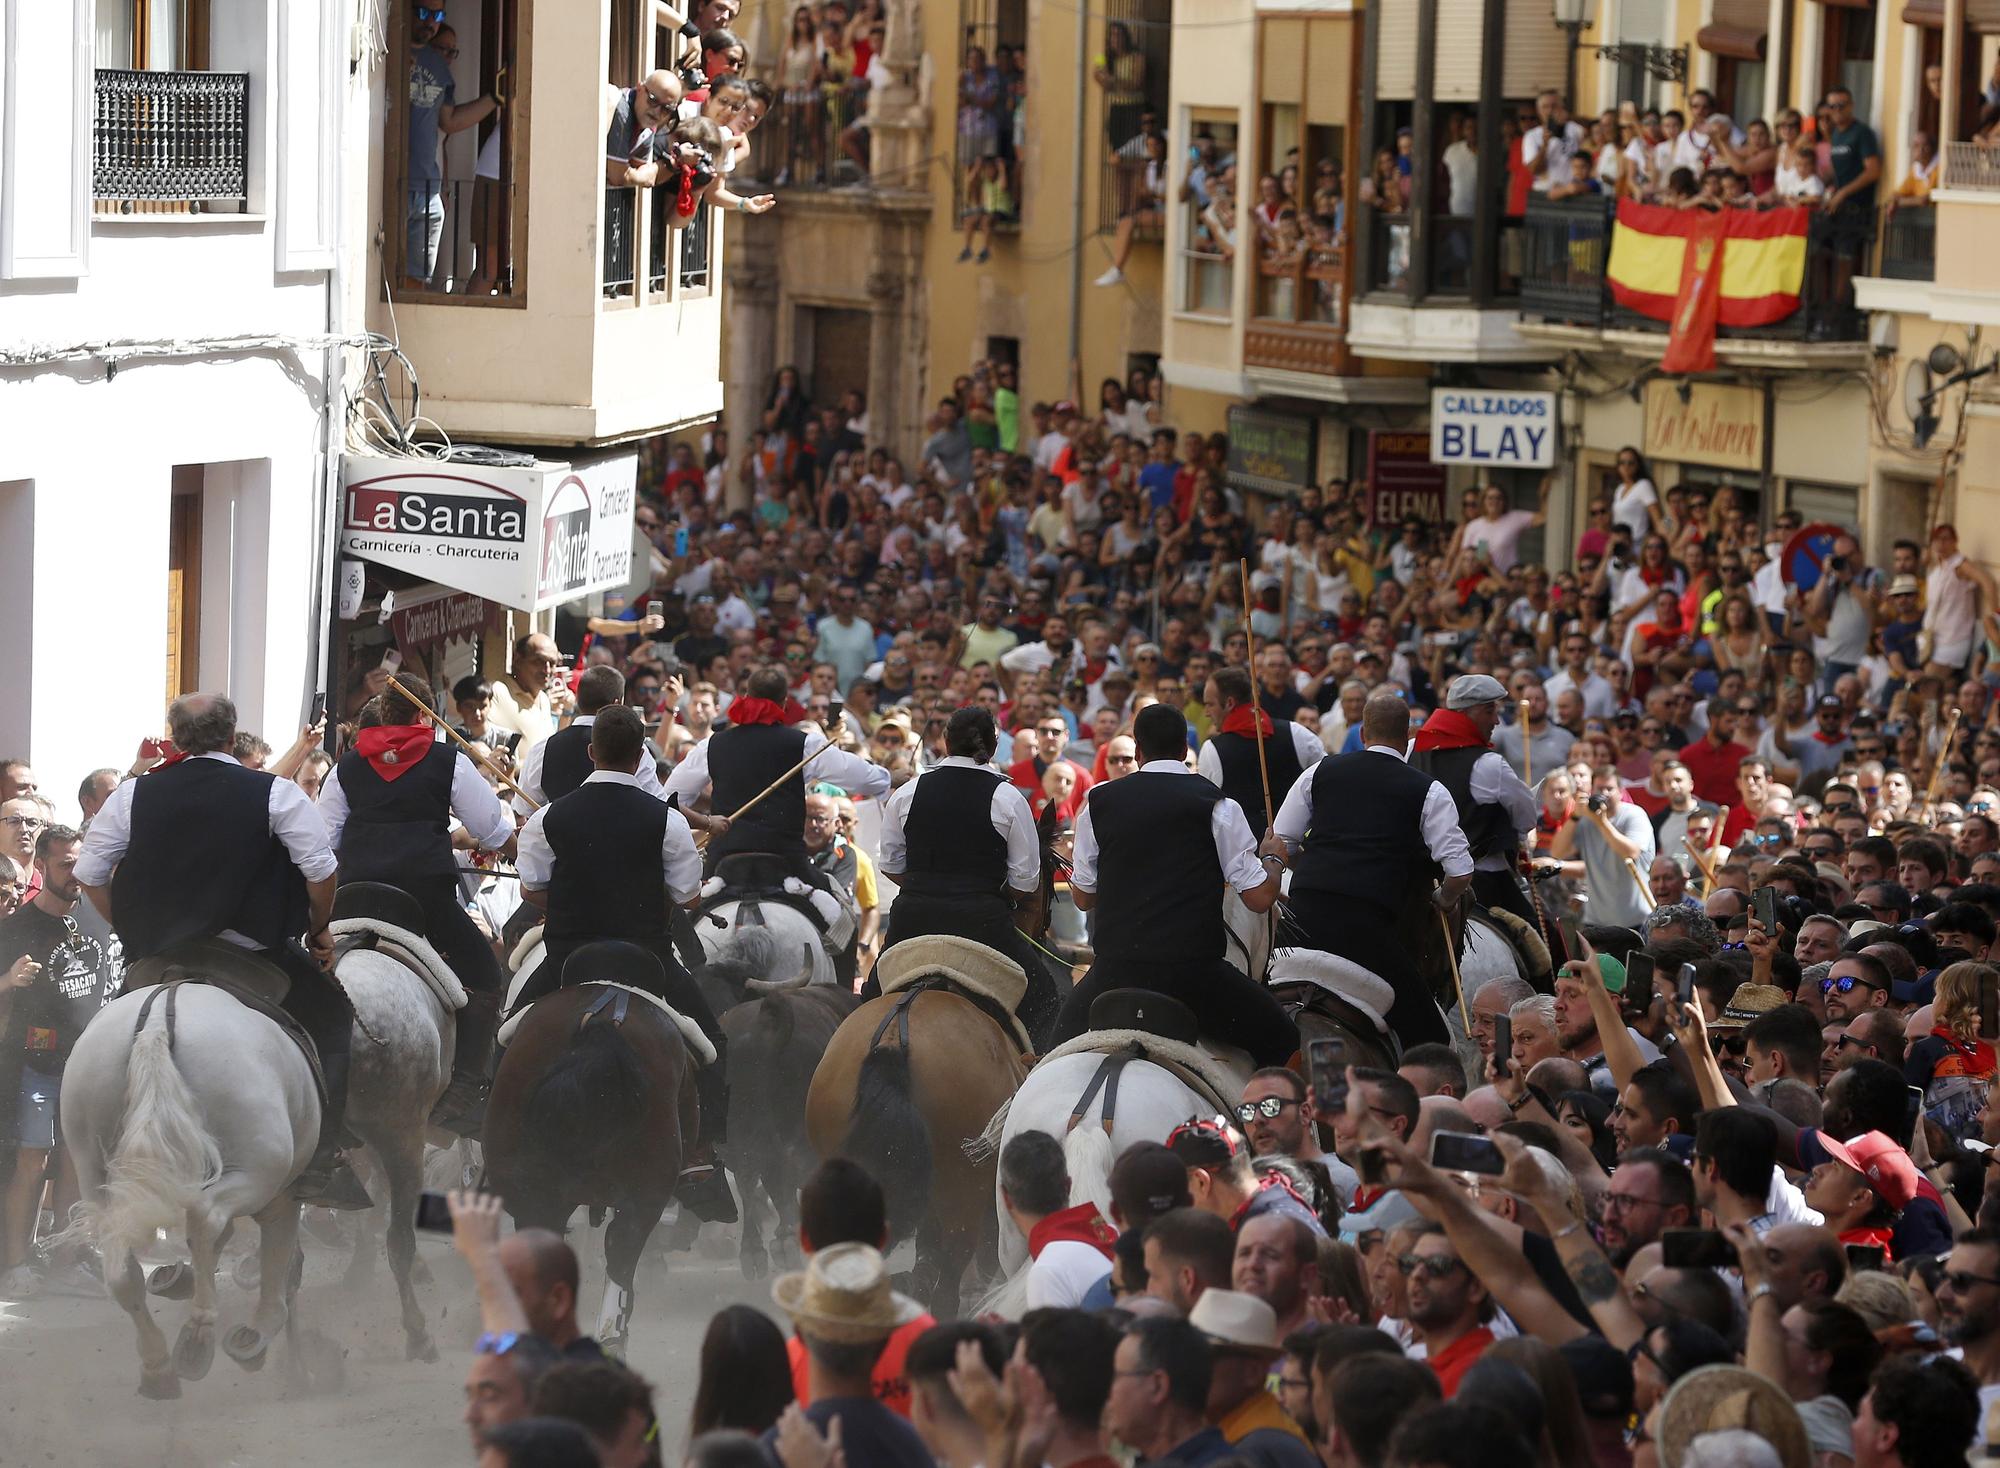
x=806, y=144
x=170, y=142
x=1909, y=243
x=1937, y=261
x=1566, y=297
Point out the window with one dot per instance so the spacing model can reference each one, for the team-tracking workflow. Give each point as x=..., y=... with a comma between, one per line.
x=992, y=102
x=1207, y=195
x=1131, y=77
x=1300, y=221
x=152, y=35
x=1739, y=88
x=455, y=177
x=1386, y=192
x=1847, y=55
x=169, y=136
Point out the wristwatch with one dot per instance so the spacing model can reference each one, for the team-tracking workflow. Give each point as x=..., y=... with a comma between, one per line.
x=1762, y=1289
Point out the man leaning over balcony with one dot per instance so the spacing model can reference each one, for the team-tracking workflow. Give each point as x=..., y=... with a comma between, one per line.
x=435, y=114
x=632, y=116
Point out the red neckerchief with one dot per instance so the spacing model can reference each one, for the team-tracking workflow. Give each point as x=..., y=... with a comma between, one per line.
x=173, y=759
x=394, y=749
x=1093, y=672
x=1082, y=1224
x=1449, y=729
x=1877, y=1237
x=1825, y=738
x=748, y=710
x=1248, y=720
x=1264, y=1184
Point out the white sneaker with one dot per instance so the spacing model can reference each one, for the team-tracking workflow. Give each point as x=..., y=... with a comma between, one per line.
x=1111, y=276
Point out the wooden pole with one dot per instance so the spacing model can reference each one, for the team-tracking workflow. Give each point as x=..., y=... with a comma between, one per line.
x=1715, y=846
x=1645, y=887
x=1937, y=766
x=744, y=808
x=1527, y=749
x=431, y=716
x=1256, y=723
x=1458, y=984
x=1707, y=871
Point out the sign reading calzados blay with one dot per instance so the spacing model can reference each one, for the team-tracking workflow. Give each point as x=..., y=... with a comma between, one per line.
x=527, y=538
x=1504, y=430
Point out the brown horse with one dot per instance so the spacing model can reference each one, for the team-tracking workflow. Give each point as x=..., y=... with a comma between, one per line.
x=900, y=1093
x=593, y=1106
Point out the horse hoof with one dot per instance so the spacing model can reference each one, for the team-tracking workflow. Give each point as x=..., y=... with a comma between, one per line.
x=159, y=1386
x=171, y=1281
x=194, y=1352
x=247, y=1346
x=420, y=1348
x=247, y=1272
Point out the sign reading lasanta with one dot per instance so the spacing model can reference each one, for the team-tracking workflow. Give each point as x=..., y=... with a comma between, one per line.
x=527, y=538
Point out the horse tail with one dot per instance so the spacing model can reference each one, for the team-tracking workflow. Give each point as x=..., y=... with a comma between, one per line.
x=597, y=1078
x=887, y=1135
x=165, y=1157
x=1088, y=1154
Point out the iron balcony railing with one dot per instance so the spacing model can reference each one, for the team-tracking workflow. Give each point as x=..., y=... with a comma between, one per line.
x=1567, y=249
x=1909, y=242
x=1971, y=166
x=181, y=136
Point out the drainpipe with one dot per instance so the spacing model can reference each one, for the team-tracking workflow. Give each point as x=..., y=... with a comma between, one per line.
x=1076, y=206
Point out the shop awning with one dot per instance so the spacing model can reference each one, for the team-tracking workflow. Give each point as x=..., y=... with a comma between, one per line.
x=527, y=538
x=1737, y=29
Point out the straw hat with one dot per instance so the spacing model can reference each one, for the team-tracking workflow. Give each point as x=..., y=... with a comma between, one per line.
x=843, y=1295
x=1718, y=1397
x=1749, y=1001
x=1236, y=1322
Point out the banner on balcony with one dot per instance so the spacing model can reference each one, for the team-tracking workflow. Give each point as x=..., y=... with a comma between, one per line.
x=1755, y=269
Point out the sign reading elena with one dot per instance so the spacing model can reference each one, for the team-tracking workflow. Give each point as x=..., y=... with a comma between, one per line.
x=1506, y=430
x=527, y=538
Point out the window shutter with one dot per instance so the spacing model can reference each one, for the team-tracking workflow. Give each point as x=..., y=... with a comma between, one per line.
x=1460, y=31
x=1537, y=50
x=1396, y=51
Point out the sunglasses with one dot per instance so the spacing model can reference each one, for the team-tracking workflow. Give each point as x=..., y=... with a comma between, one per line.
x=431, y=15
x=1269, y=1108
x=497, y=1343
x=1845, y=985
x=1437, y=1266
x=1961, y=1281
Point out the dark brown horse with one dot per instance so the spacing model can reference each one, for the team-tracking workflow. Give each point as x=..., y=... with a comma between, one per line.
x=593, y=1106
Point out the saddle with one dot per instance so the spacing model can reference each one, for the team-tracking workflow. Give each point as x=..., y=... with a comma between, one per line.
x=375, y=917
x=1137, y=1024
x=620, y=970
x=252, y=981
x=1311, y=978
x=751, y=877
x=982, y=975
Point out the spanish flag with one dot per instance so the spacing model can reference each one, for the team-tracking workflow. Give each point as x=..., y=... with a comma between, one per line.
x=1733, y=267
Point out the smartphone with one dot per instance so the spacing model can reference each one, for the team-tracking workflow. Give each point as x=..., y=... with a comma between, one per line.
x=392, y=660
x=1572, y=936
x=318, y=708
x=1865, y=1256
x=155, y=748
x=1503, y=1043
x=1684, y=985
x=1696, y=1248
x=1326, y=1067
x=1913, y=1110
x=657, y=608
x=1764, y=907
x=1639, y=971
x=1989, y=1004
x=1466, y=1152
x=680, y=542
x=433, y=1213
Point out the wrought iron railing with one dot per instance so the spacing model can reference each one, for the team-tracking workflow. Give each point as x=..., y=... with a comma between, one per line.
x=1971, y=166
x=180, y=136
x=689, y=248
x=697, y=242
x=1909, y=242
x=807, y=144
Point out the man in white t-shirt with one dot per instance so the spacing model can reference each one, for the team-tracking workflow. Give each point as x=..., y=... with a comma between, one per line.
x=1461, y=166
x=1070, y=1248
x=1642, y=153
x=1599, y=699
x=1951, y=612
x=1547, y=147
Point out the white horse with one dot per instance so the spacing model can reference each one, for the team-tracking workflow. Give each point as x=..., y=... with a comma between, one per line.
x=794, y=938
x=197, y=1130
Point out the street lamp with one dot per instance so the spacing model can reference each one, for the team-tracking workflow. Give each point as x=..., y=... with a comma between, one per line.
x=1667, y=63
x=1574, y=16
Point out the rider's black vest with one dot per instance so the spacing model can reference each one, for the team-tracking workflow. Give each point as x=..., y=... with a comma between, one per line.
x=1367, y=835
x=1488, y=828
x=742, y=760
x=951, y=847
x=1243, y=782
x=398, y=829
x=1159, y=880
x=609, y=879
x=565, y=761
x=202, y=858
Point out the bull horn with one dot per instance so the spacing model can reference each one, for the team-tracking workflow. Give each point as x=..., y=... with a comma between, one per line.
x=779, y=986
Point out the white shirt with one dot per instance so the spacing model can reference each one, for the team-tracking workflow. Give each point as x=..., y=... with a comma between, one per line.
x=1009, y=813
x=1629, y=508
x=1599, y=700
x=648, y=778
x=680, y=863
x=1442, y=834
x=834, y=766
x=294, y=821
x=1556, y=149
x=1767, y=587
x=1461, y=165
x=533, y=721
x=1494, y=782
x=1235, y=847
x=1063, y=1273
x=1305, y=744
x=1949, y=614
x=472, y=800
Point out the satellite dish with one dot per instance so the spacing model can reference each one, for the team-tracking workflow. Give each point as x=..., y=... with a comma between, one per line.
x=1945, y=360
x=1916, y=387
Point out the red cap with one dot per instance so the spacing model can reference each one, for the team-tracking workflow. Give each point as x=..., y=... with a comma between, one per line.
x=1888, y=1168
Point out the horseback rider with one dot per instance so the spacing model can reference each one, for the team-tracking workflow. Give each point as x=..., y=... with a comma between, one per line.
x=1495, y=810
x=1386, y=827
x=763, y=746
x=200, y=847
x=961, y=843
x=388, y=806
x=1152, y=853
x=561, y=762
x=1229, y=758
x=601, y=862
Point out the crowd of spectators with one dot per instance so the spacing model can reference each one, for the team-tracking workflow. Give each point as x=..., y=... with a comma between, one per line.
x=831, y=60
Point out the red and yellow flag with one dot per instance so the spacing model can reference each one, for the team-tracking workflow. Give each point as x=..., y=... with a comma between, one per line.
x=1698, y=269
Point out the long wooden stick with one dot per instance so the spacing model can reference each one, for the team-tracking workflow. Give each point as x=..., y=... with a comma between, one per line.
x=1645, y=887
x=1700, y=860
x=1451, y=953
x=431, y=716
x=1256, y=723
x=742, y=809
x=1527, y=748
x=1715, y=846
x=1937, y=768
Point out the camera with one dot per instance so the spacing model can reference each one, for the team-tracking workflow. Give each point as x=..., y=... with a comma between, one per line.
x=1598, y=804
x=1837, y=565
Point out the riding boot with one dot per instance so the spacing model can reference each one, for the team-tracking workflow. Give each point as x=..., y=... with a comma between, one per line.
x=328, y=1182
x=703, y=1188
x=462, y=1108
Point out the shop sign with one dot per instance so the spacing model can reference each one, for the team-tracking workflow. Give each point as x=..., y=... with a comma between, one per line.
x=421, y=626
x=1402, y=479
x=1272, y=452
x=1498, y=430
x=526, y=538
x=1719, y=424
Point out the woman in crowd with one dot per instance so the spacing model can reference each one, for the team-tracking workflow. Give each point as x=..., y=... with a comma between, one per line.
x=746, y=1377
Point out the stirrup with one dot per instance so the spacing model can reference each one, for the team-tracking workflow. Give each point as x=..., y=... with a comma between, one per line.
x=330, y=1183
x=462, y=1107
x=703, y=1189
